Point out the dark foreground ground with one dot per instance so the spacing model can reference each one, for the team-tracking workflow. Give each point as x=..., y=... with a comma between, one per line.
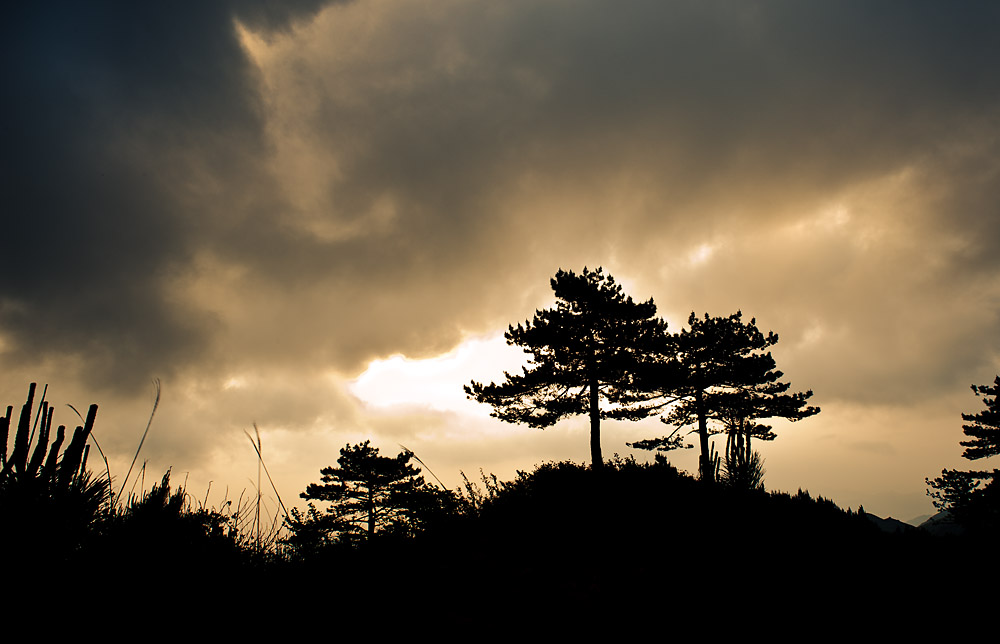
x=633, y=545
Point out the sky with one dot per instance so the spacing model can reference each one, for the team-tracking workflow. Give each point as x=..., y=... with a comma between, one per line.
x=320, y=217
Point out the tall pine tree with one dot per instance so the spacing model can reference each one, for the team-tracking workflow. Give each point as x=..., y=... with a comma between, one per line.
x=958, y=491
x=983, y=428
x=719, y=369
x=585, y=350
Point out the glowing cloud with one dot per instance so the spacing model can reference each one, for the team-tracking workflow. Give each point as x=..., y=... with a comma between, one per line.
x=436, y=383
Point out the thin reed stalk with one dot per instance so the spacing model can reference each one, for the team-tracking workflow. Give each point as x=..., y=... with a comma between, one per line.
x=156, y=403
x=260, y=458
x=414, y=456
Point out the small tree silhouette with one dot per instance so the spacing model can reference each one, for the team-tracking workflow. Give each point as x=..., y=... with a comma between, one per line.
x=984, y=427
x=370, y=495
x=958, y=491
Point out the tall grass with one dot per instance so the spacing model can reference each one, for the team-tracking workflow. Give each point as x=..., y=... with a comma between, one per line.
x=149, y=423
x=269, y=540
x=48, y=501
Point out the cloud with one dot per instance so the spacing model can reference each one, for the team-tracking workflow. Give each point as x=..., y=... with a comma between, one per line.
x=127, y=130
x=388, y=157
x=452, y=154
x=282, y=194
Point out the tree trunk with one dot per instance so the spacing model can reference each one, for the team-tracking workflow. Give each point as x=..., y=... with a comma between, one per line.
x=739, y=443
x=706, y=469
x=595, y=413
x=371, y=512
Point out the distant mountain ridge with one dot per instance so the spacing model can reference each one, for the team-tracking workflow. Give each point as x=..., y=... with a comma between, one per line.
x=889, y=524
x=942, y=524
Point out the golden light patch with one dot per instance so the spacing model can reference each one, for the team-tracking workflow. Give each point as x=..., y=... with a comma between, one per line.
x=701, y=254
x=437, y=382
x=235, y=382
x=253, y=44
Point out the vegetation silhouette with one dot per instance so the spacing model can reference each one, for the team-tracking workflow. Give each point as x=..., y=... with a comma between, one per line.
x=718, y=369
x=59, y=520
x=621, y=536
x=974, y=508
x=550, y=542
x=55, y=500
x=597, y=344
x=370, y=496
x=163, y=534
x=586, y=349
x=565, y=536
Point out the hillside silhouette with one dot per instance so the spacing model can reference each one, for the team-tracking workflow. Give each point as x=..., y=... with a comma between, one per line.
x=632, y=537
x=562, y=544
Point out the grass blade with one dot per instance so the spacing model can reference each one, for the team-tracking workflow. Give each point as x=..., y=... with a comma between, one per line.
x=156, y=403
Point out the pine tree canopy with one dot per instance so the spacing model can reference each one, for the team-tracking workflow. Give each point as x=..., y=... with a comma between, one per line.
x=976, y=508
x=719, y=369
x=984, y=427
x=369, y=495
x=589, y=347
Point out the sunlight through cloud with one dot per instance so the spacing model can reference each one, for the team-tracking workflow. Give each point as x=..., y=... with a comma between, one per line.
x=701, y=254
x=437, y=382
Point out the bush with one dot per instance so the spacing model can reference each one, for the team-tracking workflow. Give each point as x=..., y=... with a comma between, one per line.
x=51, y=505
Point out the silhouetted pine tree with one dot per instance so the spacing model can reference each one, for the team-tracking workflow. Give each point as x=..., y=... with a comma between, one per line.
x=586, y=349
x=719, y=369
x=959, y=491
x=984, y=427
x=369, y=495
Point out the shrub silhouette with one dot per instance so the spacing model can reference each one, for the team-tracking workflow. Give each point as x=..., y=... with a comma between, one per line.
x=58, y=516
x=370, y=496
x=160, y=532
x=50, y=503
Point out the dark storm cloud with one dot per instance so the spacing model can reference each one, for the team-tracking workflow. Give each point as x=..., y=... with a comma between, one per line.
x=126, y=125
x=388, y=176
x=458, y=155
x=252, y=200
x=701, y=98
